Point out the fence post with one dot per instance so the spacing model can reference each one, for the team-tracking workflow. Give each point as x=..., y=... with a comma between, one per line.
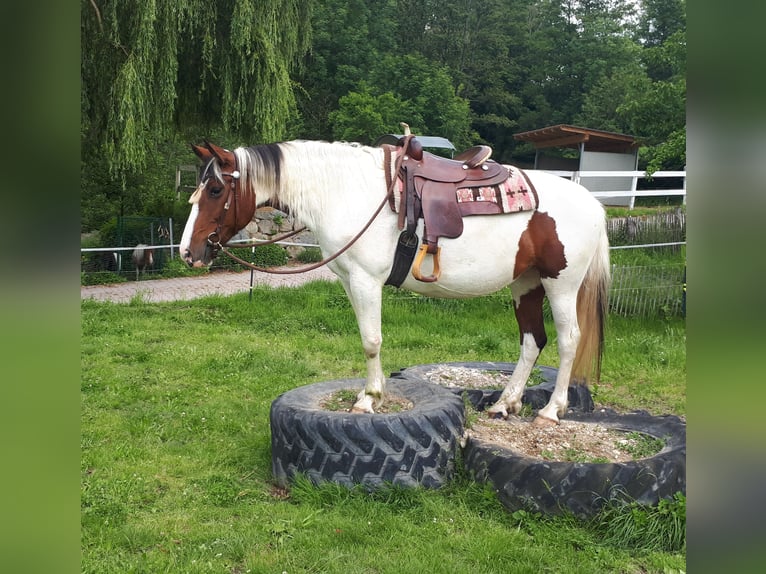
x=170, y=227
x=633, y=186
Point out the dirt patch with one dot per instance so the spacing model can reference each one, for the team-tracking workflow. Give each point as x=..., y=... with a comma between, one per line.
x=570, y=441
x=467, y=378
x=344, y=400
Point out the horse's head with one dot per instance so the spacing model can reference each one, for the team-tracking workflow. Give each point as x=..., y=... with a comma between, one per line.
x=219, y=206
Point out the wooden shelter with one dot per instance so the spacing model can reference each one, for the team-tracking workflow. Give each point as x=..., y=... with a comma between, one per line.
x=598, y=150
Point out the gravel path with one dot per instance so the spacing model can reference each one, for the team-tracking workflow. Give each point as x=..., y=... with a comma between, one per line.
x=184, y=288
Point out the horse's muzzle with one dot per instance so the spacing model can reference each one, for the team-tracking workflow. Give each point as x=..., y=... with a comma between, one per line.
x=205, y=260
x=188, y=258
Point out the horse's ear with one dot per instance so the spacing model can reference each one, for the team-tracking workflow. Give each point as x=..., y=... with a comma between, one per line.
x=202, y=152
x=223, y=156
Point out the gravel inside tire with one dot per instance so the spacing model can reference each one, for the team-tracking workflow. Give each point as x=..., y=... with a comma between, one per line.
x=415, y=447
x=537, y=396
x=550, y=487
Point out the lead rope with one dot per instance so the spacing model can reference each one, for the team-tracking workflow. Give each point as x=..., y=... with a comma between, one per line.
x=325, y=261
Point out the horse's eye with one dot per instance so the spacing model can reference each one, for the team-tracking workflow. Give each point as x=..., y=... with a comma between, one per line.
x=215, y=191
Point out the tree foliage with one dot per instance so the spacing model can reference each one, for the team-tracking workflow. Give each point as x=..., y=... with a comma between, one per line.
x=153, y=66
x=157, y=74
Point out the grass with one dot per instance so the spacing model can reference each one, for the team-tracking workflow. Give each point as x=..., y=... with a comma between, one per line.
x=640, y=445
x=176, y=464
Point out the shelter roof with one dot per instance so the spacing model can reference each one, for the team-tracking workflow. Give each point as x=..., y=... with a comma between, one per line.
x=563, y=135
x=427, y=141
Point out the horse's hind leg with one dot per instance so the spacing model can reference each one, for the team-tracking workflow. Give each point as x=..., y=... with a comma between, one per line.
x=564, y=309
x=366, y=296
x=528, y=296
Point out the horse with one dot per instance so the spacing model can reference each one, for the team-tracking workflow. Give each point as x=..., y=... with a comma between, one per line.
x=558, y=250
x=142, y=257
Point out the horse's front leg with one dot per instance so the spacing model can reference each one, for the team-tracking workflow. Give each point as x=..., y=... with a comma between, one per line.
x=366, y=295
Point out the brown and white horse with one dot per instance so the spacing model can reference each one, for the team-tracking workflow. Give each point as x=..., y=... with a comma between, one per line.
x=559, y=250
x=142, y=257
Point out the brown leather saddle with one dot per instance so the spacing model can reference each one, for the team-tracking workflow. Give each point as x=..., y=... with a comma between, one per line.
x=430, y=192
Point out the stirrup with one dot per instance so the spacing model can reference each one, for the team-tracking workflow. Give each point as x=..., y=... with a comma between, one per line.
x=419, y=260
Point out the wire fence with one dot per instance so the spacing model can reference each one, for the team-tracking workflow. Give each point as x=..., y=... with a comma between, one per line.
x=636, y=290
x=648, y=290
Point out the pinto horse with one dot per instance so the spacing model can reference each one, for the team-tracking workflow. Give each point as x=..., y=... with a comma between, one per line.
x=559, y=250
x=142, y=257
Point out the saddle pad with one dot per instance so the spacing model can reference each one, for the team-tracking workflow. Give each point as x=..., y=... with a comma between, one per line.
x=513, y=195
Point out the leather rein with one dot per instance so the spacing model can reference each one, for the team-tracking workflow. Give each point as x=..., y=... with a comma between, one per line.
x=214, y=238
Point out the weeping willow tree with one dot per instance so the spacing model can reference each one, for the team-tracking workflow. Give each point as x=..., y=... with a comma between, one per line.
x=150, y=67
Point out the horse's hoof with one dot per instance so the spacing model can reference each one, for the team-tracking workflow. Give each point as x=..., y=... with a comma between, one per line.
x=358, y=410
x=363, y=405
x=541, y=421
x=497, y=411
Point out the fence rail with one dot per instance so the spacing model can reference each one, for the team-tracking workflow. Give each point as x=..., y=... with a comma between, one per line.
x=636, y=290
x=635, y=176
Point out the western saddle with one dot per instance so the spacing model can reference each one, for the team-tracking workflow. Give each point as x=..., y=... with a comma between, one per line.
x=430, y=185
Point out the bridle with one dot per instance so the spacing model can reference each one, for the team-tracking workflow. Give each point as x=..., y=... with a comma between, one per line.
x=214, y=239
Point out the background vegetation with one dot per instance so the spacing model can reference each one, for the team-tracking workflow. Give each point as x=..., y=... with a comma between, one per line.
x=175, y=442
x=159, y=75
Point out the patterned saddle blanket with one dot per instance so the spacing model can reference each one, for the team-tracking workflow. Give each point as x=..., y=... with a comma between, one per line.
x=513, y=195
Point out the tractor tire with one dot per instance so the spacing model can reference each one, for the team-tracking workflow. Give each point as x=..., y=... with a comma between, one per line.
x=549, y=487
x=415, y=447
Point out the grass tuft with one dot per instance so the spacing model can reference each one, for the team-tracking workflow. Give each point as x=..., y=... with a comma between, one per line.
x=646, y=528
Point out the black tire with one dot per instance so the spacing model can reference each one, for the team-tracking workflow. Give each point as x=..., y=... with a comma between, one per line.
x=536, y=396
x=416, y=447
x=522, y=482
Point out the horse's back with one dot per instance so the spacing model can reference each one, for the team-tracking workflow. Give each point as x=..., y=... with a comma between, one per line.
x=560, y=195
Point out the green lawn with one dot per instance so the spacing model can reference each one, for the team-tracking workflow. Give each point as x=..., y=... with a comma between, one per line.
x=176, y=467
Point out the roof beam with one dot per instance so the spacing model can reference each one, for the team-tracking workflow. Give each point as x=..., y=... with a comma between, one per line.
x=562, y=142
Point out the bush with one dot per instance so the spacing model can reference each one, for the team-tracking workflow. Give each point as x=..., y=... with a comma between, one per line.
x=310, y=255
x=269, y=255
x=100, y=278
x=178, y=268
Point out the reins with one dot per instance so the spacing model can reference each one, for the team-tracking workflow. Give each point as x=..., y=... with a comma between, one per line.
x=217, y=244
x=260, y=242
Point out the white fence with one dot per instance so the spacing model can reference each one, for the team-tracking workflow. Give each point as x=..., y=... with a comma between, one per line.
x=633, y=192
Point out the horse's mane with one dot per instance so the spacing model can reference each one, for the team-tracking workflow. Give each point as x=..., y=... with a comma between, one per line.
x=302, y=173
x=260, y=166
